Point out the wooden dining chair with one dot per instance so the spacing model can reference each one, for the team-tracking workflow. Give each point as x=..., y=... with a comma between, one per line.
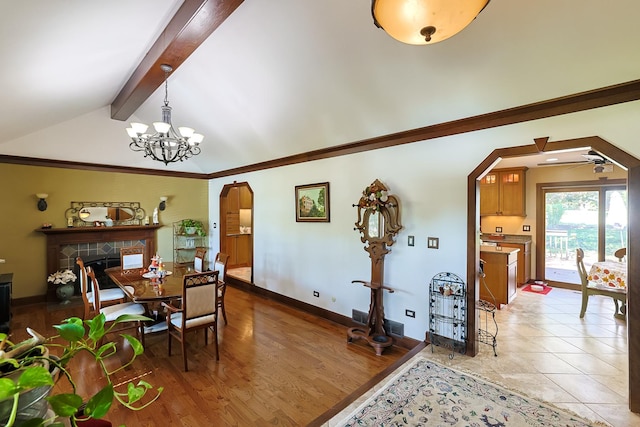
x=220, y=265
x=620, y=254
x=112, y=312
x=198, y=310
x=198, y=260
x=107, y=296
x=132, y=259
x=619, y=295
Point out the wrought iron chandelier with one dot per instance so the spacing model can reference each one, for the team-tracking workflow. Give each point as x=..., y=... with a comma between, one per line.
x=166, y=145
x=424, y=21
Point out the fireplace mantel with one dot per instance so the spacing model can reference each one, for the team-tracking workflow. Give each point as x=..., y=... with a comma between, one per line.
x=60, y=237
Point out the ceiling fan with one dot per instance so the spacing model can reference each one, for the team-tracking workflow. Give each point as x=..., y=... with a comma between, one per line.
x=594, y=158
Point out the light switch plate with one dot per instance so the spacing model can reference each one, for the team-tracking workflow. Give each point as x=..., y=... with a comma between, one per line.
x=433, y=242
x=411, y=241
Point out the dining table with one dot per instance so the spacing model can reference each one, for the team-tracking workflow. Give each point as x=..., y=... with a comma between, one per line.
x=149, y=288
x=608, y=275
x=143, y=286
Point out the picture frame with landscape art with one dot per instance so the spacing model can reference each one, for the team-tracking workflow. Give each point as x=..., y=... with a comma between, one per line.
x=312, y=202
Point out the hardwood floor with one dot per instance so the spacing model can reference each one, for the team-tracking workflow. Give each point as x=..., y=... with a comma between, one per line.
x=278, y=366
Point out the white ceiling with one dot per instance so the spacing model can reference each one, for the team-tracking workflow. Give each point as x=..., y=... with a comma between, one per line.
x=282, y=77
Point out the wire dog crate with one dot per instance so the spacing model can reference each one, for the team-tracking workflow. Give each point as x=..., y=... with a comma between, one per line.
x=448, y=313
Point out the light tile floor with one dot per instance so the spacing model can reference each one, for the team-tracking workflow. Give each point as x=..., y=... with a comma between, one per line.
x=547, y=352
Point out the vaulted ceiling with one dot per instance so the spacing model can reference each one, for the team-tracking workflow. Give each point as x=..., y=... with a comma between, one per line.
x=283, y=77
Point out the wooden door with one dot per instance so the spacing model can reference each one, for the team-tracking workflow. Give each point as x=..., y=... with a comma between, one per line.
x=512, y=193
x=490, y=195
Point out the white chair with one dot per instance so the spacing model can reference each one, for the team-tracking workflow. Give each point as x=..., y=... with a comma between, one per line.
x=132, y=259
x=220, y=265
x=112, y=312
x=198, y=260
x=198, y=311
x=619, y=295
x=107, y=296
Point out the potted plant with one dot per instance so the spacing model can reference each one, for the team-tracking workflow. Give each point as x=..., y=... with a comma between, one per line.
x=28, y=366
x=63, y=279
x=192, y=226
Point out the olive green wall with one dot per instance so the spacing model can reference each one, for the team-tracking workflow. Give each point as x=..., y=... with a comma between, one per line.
x=23, y=248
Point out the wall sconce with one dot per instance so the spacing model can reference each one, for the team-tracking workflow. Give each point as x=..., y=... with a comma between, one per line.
x=163, y=203
x=42, y=202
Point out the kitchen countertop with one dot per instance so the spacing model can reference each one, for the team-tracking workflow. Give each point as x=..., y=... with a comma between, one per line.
x=508, y=238
x=498, y=249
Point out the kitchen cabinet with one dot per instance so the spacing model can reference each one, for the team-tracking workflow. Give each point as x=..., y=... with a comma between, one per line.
x=502, y=192
x=524, y=260
x=501, y=270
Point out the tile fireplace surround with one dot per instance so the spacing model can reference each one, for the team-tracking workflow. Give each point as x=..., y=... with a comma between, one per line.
x=65, y=244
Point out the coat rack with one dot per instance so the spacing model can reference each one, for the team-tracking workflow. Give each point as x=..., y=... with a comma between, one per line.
x=379, y=223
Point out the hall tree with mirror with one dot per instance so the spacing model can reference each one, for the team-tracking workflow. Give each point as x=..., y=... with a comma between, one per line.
x=236, y=230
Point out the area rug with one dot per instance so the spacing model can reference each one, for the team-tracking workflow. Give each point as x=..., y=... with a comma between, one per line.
x=426, y=393
x=545, y=291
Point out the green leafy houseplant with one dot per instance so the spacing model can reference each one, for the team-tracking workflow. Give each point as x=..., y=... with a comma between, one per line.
x=195, y=224
x=29, y=372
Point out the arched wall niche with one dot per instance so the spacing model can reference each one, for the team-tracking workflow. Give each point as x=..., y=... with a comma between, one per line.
x=542, y=145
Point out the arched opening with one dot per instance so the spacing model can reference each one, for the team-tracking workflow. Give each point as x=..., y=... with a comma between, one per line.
x=624, y=159
x=236, y=231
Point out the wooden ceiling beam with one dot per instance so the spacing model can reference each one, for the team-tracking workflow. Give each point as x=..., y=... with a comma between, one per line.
x=188, y=29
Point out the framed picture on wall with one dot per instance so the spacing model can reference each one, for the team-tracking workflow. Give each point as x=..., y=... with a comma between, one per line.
x=312, y=202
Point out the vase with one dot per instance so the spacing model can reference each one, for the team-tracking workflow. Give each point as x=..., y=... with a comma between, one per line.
x=64, y=292
x=190, y=230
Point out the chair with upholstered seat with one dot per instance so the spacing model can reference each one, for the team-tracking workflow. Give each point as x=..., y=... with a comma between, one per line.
x=198, y=310
x=112, y=312
x=620, y=254
x=107, y=296
x=198, y=260
x=220, y=265
x=132, y=259
x=619, y=295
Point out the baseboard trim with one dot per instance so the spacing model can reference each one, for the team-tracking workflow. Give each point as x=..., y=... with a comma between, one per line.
x=404, y=342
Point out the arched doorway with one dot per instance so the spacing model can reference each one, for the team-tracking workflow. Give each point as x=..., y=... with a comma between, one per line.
x=624, y=159
x=236, y=231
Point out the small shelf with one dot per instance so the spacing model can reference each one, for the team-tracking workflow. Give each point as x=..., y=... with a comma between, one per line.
x=185, y=245
x=448, y=313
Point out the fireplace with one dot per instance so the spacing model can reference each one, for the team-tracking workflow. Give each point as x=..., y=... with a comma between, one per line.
x=97, y=245
x=98, y=265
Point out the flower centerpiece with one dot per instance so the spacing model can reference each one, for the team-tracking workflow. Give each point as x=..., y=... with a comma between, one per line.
x=374, y=196
x=63, y=279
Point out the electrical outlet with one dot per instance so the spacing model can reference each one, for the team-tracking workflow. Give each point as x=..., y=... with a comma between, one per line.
x=215, y=225
x=526, y=228
x=411, y=241
x=498, y=229
x=410, y=313
x=433, y=242
x=316, y=294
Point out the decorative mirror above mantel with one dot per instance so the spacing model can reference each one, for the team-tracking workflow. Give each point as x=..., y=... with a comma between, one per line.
x=379, y=223
x=87, y=214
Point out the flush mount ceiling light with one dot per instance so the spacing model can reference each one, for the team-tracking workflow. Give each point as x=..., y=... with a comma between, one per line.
x=166, y=145
x=424, y=21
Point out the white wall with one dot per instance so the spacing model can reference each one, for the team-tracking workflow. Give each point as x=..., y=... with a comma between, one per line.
x=294, y=259
x=429, y=178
